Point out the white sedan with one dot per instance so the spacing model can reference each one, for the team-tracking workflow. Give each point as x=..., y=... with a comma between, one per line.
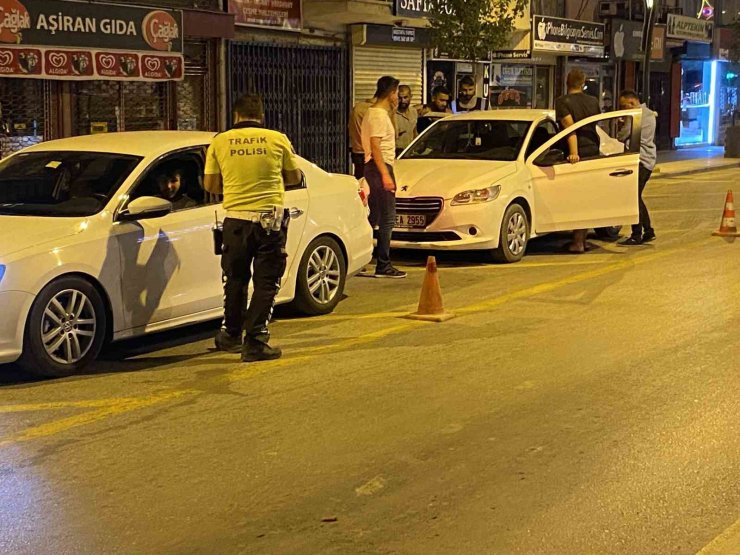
x=91, y=251
x=491, y=180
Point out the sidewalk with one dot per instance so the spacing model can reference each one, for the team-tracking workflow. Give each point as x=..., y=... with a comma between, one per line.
x=692, y=160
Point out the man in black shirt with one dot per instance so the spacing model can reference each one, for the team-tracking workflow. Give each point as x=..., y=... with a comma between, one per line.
x=584, y=143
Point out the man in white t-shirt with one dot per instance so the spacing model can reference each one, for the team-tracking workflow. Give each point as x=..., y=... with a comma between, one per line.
x=379, y=146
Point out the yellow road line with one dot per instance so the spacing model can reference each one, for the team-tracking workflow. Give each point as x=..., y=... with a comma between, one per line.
x=727, y=543
x=61, y=425
x=242, y=373
x=92, y=403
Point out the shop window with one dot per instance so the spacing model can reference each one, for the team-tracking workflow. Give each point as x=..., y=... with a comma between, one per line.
x=21, y=114
x=110, y=106
x=697, y=103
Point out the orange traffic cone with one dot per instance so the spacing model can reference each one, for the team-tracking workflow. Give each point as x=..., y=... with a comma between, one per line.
x=728, y=228
x=431, y=308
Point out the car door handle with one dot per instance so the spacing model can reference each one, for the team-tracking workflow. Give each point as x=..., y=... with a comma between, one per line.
x=295, y=213
x=621, y=173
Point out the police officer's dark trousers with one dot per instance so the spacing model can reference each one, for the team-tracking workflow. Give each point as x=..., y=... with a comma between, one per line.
x=249, y=252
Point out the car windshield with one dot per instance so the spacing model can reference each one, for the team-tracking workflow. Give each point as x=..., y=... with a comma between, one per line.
x=471, y=140
x=56, y=183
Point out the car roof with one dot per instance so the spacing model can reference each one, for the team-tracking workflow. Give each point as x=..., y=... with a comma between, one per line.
x=135, y=143
x=516, y=114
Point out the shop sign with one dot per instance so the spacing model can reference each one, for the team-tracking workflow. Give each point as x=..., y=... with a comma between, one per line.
x=567, y=36
x=85, y=25
x=414, y=8
x=281, y=14
x=511, y=55
x=689, y=28
x=67, y=64
x=388, y=35
x=626, y=43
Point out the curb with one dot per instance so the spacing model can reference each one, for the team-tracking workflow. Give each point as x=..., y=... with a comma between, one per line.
x=663, y=174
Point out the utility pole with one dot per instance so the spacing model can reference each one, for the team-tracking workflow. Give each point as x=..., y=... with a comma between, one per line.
x=649, y=20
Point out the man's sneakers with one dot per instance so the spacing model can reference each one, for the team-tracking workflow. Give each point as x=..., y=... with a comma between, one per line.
x=254, y=351
x=390, y=273
x=631, y=241
x=228, y=343
x=648, y=236
x=637, y=240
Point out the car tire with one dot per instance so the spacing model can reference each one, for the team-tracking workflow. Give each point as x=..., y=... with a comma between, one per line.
x=608, y=233
x=322, y=274
x=65, y=329
x=514, y=235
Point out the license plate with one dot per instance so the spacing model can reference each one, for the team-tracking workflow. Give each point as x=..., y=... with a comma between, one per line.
x=411, y=220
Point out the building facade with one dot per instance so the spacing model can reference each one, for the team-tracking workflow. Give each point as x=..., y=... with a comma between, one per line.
x=69, y=68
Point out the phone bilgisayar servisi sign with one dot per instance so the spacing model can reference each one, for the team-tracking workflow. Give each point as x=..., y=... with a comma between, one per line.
x=567, y=36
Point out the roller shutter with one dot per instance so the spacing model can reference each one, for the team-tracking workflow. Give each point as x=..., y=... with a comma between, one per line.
x=371, y=62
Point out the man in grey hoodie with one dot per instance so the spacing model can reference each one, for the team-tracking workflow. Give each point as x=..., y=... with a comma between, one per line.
x=642, y=232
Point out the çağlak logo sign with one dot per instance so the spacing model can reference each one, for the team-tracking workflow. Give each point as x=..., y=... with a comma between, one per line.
x=160, y=30
x=14, y=18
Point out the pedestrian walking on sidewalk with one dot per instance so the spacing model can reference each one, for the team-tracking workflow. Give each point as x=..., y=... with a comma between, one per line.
x=379, y=145
x=643, y=231
x=584, y=143
x=250, y=165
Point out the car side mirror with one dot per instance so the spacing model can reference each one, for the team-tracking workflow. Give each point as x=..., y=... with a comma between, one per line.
x=550, y=157
x=144, y=208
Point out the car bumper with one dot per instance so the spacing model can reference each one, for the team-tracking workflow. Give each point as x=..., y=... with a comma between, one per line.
x=16, y=305
x=474, y=227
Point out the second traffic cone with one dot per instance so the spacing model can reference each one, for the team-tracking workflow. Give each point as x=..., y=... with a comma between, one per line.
x=431, y=307
x=728, y=228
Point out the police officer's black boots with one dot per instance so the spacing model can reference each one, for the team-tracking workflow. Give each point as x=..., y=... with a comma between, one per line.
x=228, y=343
x=254, y=351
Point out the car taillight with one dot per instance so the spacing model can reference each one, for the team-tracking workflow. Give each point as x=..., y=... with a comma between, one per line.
x=363, y=189
x=363, y=197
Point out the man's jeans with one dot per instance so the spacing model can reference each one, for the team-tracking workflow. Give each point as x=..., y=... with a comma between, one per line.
x=644, y=225
x=382, y=213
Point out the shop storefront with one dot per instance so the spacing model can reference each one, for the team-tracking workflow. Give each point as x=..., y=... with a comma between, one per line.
x=387, y=50
x=727, y=87
x=581, y=43
x=70, y=69
x=521, y=79
x=302, y=79
x=698, y=106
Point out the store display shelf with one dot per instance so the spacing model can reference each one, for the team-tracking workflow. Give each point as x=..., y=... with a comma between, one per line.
x=686, y=106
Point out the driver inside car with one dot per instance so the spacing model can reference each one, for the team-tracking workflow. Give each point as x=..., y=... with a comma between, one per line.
x=170, y=185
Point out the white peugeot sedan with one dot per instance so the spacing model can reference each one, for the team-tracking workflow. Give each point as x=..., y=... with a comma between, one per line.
x=90, y=251
x=491, y=180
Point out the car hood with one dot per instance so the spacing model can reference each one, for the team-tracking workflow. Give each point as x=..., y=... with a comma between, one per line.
x=23, y=232
x=446, y=178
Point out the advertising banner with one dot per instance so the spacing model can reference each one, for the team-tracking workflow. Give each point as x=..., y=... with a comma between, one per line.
x=281, y=14
x=52, y=39
x=59, y=63
x=626, y=43
x=567, y=36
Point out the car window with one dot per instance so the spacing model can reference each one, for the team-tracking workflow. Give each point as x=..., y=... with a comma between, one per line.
x=613, y=134
x=471, y=140
x=56, y=183
x=542, y=133
x=177, y=178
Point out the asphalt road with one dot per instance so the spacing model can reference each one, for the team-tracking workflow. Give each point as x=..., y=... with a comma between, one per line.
x=578, y=404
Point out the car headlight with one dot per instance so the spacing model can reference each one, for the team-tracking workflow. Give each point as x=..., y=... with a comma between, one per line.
x=477, y=196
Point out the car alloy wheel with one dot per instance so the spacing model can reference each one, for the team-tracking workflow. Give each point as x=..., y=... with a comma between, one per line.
x=68, y=326
x=321, y=277
x=516, y=233
x=323, y=274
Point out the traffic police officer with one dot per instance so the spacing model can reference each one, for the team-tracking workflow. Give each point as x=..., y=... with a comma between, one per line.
x=250, y=166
